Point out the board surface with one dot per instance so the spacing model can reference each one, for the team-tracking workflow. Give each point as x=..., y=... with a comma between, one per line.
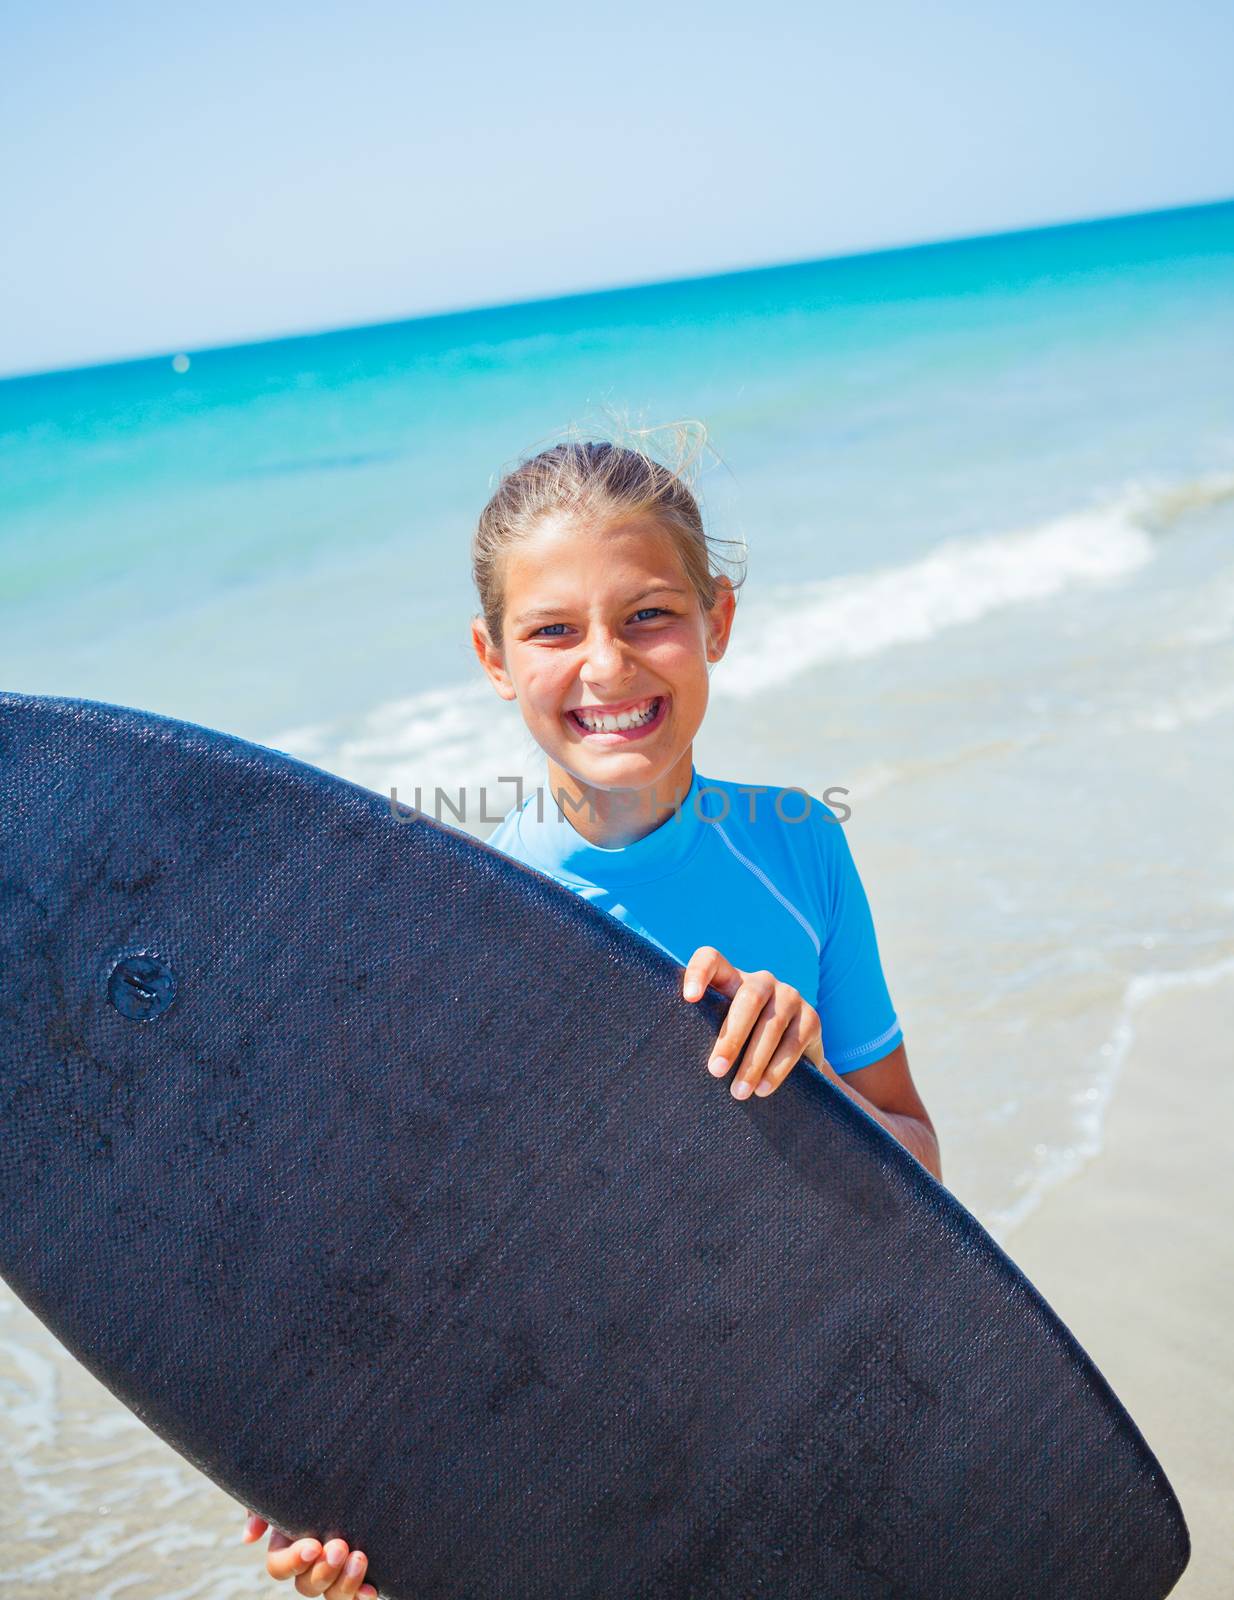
x=383, y=1179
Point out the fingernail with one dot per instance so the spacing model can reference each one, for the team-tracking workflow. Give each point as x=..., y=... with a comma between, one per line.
x=692, y=991
x=764, y=1087
x=336, y=1552
x=355, y=1564
x=310, y=1550
x=741, y=1089
x=718, y=1065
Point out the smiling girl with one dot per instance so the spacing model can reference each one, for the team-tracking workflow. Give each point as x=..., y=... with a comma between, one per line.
x=602, y=613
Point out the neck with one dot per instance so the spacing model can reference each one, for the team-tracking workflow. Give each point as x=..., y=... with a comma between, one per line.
x=613, y=816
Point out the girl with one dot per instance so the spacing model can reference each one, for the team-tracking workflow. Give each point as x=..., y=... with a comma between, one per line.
x=601, y=615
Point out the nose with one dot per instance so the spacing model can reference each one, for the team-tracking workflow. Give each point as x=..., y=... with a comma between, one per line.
x=605, y=659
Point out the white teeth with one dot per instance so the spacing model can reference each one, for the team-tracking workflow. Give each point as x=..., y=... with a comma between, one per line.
x=611, y=724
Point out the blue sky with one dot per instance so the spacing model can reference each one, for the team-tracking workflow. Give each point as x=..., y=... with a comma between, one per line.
x=181, y=177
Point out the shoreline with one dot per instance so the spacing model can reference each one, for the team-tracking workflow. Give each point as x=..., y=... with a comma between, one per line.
x=1133, y=1252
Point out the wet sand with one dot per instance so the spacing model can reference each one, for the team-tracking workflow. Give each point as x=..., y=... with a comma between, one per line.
x=1135, y=1254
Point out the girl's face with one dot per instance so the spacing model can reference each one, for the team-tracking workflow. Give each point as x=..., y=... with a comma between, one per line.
x=603, y=622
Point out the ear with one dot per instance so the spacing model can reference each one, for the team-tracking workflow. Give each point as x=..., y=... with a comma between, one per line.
x=491, y=659
x=720, y=618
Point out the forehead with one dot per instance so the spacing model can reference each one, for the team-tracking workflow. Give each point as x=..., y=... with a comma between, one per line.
x=566, y=550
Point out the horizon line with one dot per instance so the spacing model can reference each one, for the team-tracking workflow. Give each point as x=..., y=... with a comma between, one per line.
x=443, y=314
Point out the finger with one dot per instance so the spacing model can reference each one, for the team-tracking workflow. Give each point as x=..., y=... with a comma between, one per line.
x=351, y=1580
x=708, y=967
x=755, y=991
x=802, y=1039
x=778, y=1012
x=254, y=1527
x=293, y=1559
x=698, y=972
x=325, y=1569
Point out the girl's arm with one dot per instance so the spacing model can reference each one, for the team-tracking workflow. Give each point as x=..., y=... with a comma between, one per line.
x=772, y=1027
x=886, y=1090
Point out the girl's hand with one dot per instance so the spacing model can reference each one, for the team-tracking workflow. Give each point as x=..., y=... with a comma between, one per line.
x=770, y=1018
x=331, y=1571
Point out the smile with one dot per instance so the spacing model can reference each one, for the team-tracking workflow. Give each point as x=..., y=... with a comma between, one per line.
x=637, y=717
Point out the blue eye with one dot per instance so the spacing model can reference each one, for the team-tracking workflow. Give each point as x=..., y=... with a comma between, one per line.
x=647, y=611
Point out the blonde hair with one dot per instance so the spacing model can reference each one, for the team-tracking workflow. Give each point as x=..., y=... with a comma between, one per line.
x=601, y=481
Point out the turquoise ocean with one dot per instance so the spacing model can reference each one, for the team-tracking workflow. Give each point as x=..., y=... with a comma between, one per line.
x=987, y=491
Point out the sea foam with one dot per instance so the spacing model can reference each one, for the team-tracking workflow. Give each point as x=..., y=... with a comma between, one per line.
x=1090, y=1102
x=960, y=581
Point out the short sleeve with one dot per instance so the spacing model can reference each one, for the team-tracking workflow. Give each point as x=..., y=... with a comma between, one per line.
x=859, y=1022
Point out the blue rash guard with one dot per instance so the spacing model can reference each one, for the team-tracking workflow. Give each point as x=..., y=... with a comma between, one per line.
x=746, y=869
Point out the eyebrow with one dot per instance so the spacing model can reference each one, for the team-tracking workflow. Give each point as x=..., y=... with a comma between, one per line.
x=554, y=611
